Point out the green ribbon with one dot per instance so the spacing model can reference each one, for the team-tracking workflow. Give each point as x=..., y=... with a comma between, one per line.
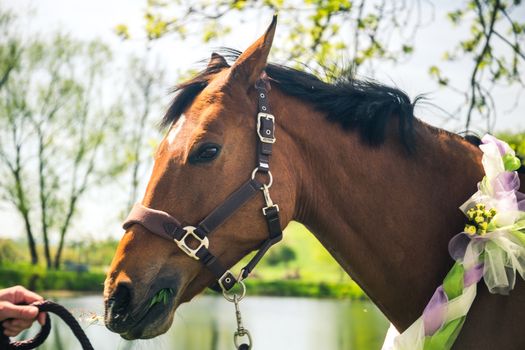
x=445, y=337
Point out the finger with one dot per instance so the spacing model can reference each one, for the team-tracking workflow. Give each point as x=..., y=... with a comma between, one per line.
x=17, y=323
x=41, y=318
x=14, y=329
x=8, y=310
x=10, y=332
x=23, y=295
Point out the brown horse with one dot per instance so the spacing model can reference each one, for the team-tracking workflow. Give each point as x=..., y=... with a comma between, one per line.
x=379, y=189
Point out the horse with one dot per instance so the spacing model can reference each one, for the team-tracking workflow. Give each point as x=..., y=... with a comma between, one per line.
x=379, y=188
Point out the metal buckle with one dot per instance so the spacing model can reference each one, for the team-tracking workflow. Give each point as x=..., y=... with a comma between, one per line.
x=232, y=296
x=219, y=281
x=190, y=231
x=268, y=200
x=265, y=138
x=265, y=209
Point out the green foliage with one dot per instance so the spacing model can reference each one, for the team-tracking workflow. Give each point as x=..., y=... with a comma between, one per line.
x=516, y=141
x=9, y=252
x=281, y=254
x=494, y=45
x=96, y=254
x=39, y=278
x=322, y=34
x=122, y=31
x=318, y=31
x=305, y=289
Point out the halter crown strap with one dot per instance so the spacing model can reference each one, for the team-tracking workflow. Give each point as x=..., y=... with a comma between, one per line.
x=166, y=226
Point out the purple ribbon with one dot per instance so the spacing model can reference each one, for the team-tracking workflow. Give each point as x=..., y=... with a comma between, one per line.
x=435, y=311
x=502, y=146
x=473, y=275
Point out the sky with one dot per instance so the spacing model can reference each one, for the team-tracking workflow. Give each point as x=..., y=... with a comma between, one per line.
x=98, y=18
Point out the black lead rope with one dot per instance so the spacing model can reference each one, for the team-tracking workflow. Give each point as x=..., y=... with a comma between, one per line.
x=59, y=310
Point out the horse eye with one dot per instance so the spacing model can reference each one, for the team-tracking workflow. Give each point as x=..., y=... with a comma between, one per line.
x=205, y=153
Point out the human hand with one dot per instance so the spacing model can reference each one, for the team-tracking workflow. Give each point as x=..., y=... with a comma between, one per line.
x=15, y=318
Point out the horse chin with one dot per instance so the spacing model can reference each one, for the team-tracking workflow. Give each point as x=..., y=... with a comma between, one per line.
x=155, y=322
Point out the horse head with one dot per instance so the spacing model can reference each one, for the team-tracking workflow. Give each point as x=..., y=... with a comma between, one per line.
x=209, y=151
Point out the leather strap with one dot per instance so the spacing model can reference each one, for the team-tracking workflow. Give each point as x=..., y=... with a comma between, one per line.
x=156, y=221
x=265, y=129
x=236, y=200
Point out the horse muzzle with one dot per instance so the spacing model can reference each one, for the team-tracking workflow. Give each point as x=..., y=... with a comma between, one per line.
x=147, y=320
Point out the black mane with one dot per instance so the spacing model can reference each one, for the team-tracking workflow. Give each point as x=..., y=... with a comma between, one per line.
x=364, y=105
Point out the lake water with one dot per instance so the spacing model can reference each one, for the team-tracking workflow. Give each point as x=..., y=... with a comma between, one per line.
x=208, y=323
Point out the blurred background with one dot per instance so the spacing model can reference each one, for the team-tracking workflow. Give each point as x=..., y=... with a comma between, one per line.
x=84, y=84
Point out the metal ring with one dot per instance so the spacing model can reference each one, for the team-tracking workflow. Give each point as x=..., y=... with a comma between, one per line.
x=240, y=278
x=231, y=297
x=238, y=335
x=269, y=173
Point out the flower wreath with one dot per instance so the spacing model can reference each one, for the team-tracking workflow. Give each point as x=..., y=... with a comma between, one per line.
x=492, y=246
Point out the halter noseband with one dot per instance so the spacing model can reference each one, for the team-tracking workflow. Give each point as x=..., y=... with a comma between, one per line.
x=166, y=226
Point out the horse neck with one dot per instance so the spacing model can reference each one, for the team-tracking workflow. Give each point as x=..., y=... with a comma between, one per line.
x=384, y=215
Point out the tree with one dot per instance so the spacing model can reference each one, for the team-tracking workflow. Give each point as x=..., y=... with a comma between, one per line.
x=9, y=47
x=143, y=95
x=323, y=33
x=55, y=127
x=495, y=48
x=9, y=252
x=283, y=254
x=10, y=57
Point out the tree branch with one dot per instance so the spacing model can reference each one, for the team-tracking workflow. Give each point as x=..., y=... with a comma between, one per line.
x=474, y=85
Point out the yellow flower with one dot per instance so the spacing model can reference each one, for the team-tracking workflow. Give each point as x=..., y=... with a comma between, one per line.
x=470, y=229
x=479, y=219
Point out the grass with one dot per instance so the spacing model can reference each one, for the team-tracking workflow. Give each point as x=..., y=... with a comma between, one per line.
x=162, y=296
x=39, y=278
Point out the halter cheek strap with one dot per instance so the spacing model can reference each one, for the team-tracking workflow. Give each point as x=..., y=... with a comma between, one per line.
x=166, y=226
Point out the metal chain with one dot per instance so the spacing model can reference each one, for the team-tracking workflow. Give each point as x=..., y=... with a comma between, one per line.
x=241, y=331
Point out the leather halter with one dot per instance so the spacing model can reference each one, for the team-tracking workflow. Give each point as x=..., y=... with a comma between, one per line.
x=166, y=226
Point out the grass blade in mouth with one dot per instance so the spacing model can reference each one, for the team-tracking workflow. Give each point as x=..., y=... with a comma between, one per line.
x=162, y=296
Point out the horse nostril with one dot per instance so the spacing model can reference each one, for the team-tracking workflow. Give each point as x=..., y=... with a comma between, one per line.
x=120, y=299
x=116, y=313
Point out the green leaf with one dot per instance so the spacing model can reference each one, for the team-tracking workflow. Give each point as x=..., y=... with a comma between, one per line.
x=434, y=71
x=455, y=17
x=162, y=296
x=122, y=31
x=444, y=338
x=453, y=282
x=408, y=49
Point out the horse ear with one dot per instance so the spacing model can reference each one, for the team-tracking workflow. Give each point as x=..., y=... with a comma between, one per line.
x=250, y=64
x=217, y=60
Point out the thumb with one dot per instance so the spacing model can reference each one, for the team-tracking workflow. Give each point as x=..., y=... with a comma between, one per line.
x=26, y=312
